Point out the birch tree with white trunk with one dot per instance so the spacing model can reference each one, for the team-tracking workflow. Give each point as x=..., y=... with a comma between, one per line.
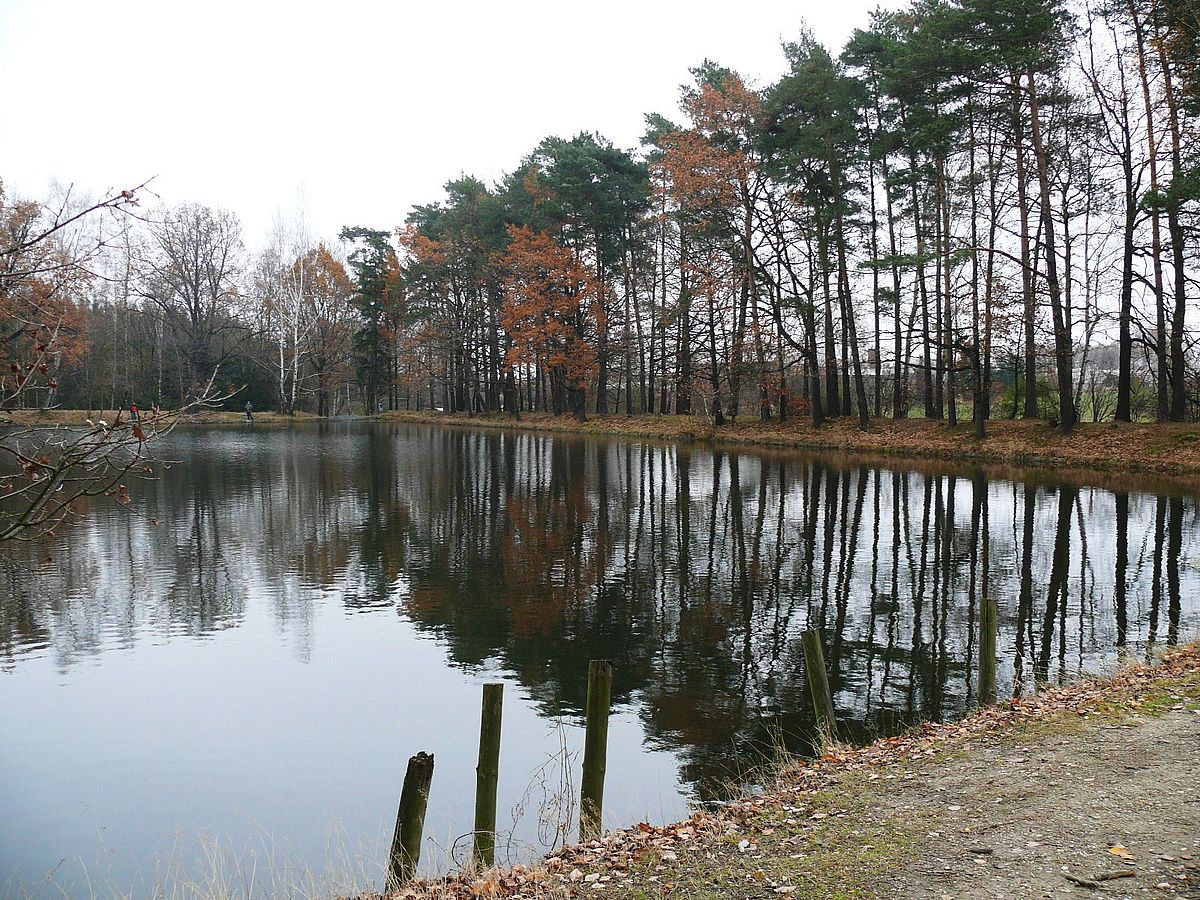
x=288, y=315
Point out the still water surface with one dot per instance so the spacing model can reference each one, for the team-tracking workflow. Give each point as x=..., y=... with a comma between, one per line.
x=233, y=675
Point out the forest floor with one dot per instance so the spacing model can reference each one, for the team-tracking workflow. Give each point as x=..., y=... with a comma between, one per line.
x=1089, y=789
x=1150, y=448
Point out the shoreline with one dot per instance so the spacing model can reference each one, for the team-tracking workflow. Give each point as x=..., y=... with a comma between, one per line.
x=1019, y=798
x=1110, y=449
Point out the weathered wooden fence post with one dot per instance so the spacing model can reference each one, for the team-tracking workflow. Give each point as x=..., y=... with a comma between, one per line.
x=595, y=748
x=818, y=685
x=988, y=616
x=410, y=821
x=487, y=776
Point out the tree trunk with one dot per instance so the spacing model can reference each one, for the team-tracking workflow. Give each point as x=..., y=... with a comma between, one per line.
x=1063, y=351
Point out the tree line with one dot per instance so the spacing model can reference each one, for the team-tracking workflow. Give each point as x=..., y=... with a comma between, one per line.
x=982, y=208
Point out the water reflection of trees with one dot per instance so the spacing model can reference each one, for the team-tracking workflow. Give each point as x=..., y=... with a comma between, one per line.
x=695, y=570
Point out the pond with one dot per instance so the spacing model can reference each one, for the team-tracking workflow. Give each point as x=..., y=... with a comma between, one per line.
x=226, y=680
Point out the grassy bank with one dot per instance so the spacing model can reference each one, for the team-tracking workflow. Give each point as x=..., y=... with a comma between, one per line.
x=1082, y=786
x=1150, y=449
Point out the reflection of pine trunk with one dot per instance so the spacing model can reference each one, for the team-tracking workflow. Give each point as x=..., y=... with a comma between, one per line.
x=809, y=531
x=872, y=611
x=917, y=656
x=1025, y=601
x=742, y=578
x=1160, y=509
x=849, y=554
x=844, y=552
x=1174, y=548
x=683, y=508
x=603, y=535
x=712, y=528
x=894, y=595
x=941, y=611
x=783, y=617
x=974, y=578
x=1122, y=568
x=633, y=542
x=932, y=674
x=985, y=593
x=1059, y=573
x=831, y=493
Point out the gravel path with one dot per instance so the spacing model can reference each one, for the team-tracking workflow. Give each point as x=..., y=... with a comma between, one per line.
x=1028, y=819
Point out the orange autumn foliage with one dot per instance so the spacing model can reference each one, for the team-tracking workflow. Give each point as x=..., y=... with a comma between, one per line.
x=551, y=307
x=43, y=315
x=421, y=248
x=712, y=164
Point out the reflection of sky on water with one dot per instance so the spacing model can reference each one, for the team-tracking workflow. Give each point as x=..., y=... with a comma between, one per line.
x=320, y=603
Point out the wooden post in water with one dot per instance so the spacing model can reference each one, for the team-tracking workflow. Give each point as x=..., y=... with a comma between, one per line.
x=988, y=616
x=818, y=685
x=487, y=776
x=595, y=748
x=410, y=821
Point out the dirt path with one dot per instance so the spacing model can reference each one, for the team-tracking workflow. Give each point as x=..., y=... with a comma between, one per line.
x=1016, y=818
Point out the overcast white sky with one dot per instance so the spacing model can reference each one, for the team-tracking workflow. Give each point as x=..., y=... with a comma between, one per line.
x=366, y=107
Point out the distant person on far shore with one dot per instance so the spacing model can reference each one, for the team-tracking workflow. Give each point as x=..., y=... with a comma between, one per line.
x=249, y=412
